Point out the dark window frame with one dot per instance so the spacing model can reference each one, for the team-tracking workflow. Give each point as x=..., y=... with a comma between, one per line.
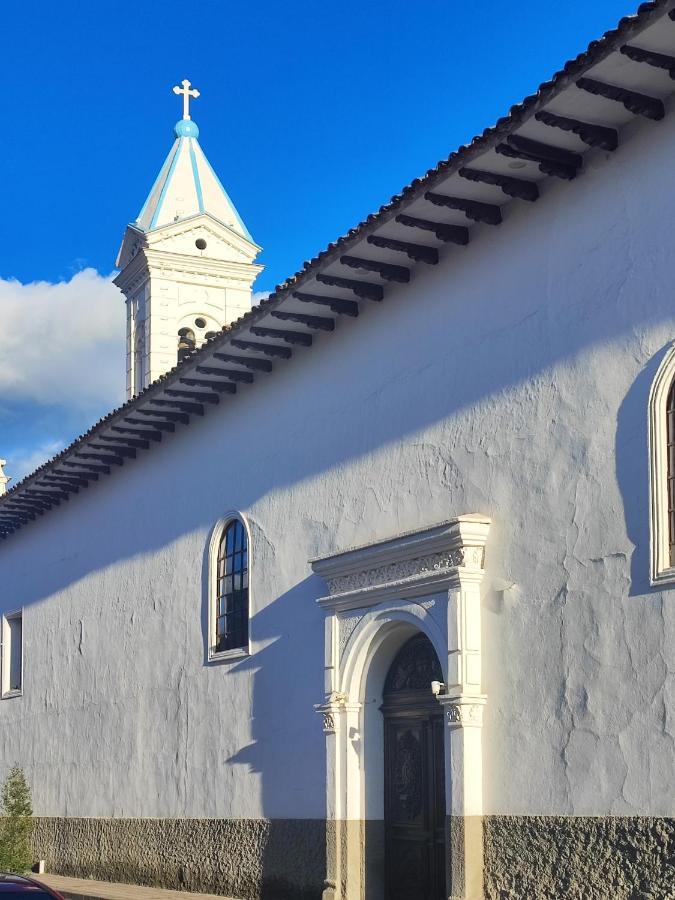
x=232, y=591
x=670, y=470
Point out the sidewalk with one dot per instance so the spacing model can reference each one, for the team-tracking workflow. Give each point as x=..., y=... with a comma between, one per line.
x=84, y=889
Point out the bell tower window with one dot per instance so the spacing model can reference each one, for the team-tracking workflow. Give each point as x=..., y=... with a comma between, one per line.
x=139, y=350
x=186, y=343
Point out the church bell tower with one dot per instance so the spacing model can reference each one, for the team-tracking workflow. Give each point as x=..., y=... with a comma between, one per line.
x=187, y=264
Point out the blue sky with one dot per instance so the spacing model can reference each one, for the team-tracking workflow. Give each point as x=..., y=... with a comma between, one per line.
x=312, y=113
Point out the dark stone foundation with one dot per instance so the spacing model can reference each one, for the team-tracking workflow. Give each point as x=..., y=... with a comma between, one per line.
x=594, y=858
x=250, y=859
x=525, y=857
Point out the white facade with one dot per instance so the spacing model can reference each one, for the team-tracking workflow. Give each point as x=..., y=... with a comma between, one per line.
x=484, y=438
x=532, y=410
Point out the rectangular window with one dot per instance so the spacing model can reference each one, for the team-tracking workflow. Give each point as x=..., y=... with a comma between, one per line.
x=12, y=654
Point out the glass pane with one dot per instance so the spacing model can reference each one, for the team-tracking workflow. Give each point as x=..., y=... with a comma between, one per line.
x=232, y=589
x=237, y=598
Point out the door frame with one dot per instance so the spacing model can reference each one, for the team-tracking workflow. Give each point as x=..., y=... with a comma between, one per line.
x=379, y=595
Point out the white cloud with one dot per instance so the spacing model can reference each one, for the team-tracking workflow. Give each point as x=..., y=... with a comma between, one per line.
x=25, y=462
x=63, y=344
x=258, y=296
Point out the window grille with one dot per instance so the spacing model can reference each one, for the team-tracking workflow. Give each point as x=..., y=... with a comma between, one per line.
x=232, y=589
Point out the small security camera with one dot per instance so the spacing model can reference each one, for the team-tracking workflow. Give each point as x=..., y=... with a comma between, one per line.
x=437, y=687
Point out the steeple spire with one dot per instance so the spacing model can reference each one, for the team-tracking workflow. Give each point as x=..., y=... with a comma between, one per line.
x=187, y=263
x=187, y=185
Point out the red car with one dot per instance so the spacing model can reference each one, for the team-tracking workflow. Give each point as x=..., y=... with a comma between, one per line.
x=16, y=886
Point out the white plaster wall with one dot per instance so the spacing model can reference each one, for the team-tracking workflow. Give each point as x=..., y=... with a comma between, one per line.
x=510, y=381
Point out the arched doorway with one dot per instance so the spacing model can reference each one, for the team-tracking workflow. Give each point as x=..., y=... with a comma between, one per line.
x=414, y=783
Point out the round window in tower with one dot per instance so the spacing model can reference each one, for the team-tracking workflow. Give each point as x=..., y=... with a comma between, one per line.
x=200, y=244
x=200, y=323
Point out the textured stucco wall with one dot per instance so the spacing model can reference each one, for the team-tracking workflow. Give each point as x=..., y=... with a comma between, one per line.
x=511, y=380
x=554, y=857
x=279, y=860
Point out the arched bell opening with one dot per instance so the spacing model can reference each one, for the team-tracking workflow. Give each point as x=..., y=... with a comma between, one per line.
x=186, y=343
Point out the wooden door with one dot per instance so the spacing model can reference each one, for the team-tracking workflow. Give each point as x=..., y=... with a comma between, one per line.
x=414, y=784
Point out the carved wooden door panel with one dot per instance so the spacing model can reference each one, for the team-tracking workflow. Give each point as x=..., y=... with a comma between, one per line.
x=414, y=788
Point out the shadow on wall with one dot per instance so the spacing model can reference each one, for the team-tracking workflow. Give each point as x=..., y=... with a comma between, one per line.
x=291, y=855
x=632, y=471
x=382, y=381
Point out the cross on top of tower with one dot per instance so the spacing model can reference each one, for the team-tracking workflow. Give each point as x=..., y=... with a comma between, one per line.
x=187, y=91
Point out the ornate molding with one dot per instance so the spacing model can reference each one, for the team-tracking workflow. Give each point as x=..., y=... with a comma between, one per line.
x=411, y=565
x=334, y=702
x=463, y=712
x=396, y=571
x=328, y=722
x=346, y=625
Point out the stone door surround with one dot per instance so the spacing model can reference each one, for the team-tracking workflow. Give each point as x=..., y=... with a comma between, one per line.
x=378, y=596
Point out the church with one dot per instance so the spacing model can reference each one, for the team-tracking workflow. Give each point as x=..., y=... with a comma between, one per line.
x=367, y=591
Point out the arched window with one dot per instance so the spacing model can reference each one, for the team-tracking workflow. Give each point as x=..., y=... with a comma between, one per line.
x=662, y=471
x=229, y=593
x=670, y=466
x=139, y=351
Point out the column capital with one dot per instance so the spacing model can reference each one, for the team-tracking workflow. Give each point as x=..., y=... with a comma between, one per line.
x=335, y=702
x=463, y=711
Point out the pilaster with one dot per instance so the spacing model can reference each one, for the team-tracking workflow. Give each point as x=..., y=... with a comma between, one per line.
x=463, y=705
x=464, y=794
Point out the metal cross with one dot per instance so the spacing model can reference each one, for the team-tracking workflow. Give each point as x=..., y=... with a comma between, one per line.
x=187, y=93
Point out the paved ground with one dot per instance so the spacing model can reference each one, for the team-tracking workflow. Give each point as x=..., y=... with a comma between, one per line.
x=84, y=889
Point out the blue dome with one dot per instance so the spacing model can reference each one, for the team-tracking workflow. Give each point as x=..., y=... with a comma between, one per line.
x=186, y=128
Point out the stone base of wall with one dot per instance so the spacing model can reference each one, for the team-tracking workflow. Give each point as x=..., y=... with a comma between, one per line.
x=533, y=857
x=251, y=859
x=597, y=858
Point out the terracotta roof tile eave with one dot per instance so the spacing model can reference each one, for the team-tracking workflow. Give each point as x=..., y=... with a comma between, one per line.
x=518, y=113
x=596, y=50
